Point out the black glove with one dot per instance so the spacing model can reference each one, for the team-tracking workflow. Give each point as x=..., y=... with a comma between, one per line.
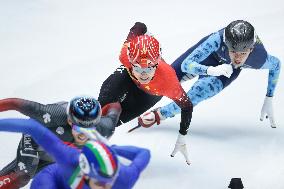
x=139, y=28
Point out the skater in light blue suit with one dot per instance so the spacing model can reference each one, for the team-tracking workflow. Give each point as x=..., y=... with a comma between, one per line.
x=218, y=60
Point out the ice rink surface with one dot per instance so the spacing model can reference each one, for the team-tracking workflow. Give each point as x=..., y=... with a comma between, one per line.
x=52, y=50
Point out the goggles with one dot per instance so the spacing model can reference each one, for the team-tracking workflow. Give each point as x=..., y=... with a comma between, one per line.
x=91, y=133
x=147, y=70
x=85, y=131
x=102, y=183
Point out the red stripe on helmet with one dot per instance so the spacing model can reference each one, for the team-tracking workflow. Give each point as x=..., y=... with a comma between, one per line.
x=113, y=163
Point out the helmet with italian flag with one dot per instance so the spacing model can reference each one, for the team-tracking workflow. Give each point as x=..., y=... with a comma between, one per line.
x=99, y=162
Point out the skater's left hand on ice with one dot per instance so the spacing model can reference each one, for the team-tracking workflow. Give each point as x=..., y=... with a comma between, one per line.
x=267, y=111
x=181, y=146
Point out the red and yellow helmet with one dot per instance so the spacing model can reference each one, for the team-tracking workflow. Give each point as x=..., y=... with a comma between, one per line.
x=144, y=50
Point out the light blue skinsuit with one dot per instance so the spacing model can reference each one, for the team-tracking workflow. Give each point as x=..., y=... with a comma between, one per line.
x=212, y=51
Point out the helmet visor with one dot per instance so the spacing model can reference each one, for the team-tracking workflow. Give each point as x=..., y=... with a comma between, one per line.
x=140, y=69
x=93, y=182
x=82, y=130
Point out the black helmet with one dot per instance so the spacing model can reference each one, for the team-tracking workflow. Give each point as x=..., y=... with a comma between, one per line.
x=84, y=111
x=239, y=36
x=236, y=183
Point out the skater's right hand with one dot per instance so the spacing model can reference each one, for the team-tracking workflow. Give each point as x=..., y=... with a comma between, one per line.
x=223, y=69
x=148, y=119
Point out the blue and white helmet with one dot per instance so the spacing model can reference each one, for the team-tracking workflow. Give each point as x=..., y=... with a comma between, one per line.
x=84, y=111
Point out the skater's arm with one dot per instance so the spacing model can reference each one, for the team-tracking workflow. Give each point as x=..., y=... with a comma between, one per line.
x=186, y=107
x=23, y=106
x=139, y=28
x=139, y=157
x=35, y=110
x=108, y=122
x=179, y=96
x=273, y=64
x=192, y=63
x=42, y=136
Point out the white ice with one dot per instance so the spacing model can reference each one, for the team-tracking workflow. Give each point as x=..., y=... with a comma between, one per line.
x=52, y=50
